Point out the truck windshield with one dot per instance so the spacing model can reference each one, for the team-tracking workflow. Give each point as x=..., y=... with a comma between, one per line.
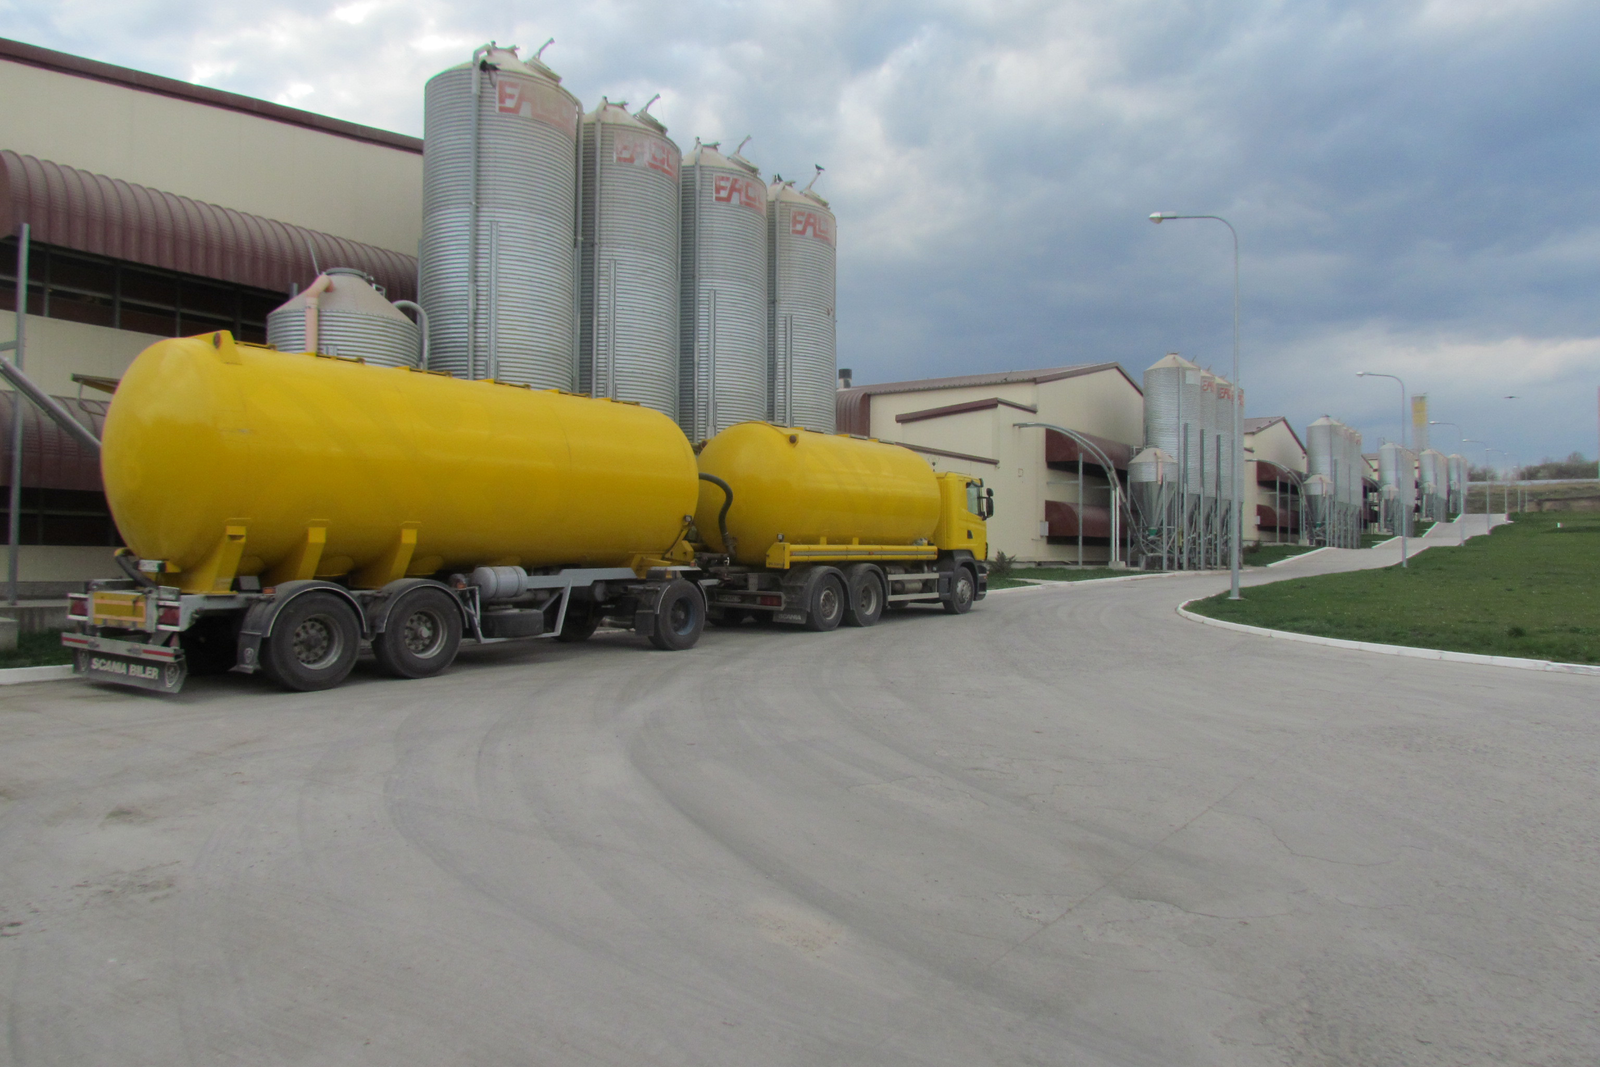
x=973, y=495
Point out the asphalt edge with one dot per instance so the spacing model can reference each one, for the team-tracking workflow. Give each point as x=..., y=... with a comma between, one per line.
x=22, y=675
x=1394, y=650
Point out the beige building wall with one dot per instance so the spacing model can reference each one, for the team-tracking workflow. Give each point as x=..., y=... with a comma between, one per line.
x=1275, y=444
x=1011, y=460
x=58, y=563
x=355, y=189
x=56, y=349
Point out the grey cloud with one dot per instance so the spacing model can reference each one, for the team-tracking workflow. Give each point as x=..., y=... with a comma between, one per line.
x=1406, y=177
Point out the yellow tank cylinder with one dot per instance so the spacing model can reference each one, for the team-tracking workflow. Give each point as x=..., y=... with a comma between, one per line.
x=812, y=487
x=223, y=459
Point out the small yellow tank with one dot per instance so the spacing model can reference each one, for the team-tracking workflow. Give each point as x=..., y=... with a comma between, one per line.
x=813, y=487
x=224, y=459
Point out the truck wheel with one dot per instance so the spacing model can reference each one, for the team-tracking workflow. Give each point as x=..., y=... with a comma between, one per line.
x=963, y=589
x=314, y=643
x=680, y=617
x=583, y=618
x=866, y=595
x=422, y=636
x=827, y=604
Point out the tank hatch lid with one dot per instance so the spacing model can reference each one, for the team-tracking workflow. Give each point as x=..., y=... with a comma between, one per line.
x=1172, y=359
x=506, y=59
x=709, y=154
x=617, y=111
x=778, y=189
x=348, y=290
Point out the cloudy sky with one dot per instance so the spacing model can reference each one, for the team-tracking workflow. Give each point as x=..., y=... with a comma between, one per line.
x=1414, y=183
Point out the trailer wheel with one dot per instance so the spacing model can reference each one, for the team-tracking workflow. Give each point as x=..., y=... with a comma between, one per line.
x=583, y=618
x=314, y=643
x=963, y=590
x=422, y=637
x=825, y=609
x=680, y=617
x=867, y=595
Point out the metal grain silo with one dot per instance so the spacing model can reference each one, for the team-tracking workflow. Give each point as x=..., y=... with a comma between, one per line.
x=1152, y=485
x=342, y=313
x=629, y=259
x=499, y=220
x=1164, y=407
x=1457, y=465
x=1225, y=403
x=722, y=368
x=802, y=358
x=1320, y=454
x=1317, y=492
x=1149, y=477
x=1407, y=483
x=1435, y=482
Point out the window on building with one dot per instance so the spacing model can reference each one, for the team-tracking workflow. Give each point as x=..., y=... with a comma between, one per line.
x=79, y=287
x=61, y=517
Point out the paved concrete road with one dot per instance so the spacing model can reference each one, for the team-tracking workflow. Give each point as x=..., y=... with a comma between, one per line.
x=1069, y=828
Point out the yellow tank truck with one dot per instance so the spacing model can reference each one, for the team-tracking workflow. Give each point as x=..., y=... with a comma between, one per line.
x=282, y=509
x=818, y=529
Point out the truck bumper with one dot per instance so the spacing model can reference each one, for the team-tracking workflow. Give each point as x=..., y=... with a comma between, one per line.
x=105, y=659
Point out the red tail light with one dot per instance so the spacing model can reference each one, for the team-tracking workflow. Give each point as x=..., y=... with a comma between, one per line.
x=772, y=601
x=78, y=606
x=169, y=615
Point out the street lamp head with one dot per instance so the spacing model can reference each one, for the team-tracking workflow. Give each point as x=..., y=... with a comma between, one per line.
x=1156, y=217
x=1361, y=374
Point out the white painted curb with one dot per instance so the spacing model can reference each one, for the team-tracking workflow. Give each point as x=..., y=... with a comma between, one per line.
x=1300, y=555
x=1057, y=583
x=1394, y=650
x=22, y=675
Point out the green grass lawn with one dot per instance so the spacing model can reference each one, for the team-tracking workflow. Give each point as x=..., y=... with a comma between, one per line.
x=1035, y=575
x=1529, y=589
x=37, y=650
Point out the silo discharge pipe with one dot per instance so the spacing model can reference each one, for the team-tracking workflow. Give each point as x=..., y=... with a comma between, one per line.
x=728, y=543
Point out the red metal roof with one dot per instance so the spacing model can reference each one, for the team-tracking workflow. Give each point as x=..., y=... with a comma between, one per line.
x=1274, y=519
x=76, y=209
x=1059, y=448
x=51, y=458
x=1062, y=519
x=1268, y=472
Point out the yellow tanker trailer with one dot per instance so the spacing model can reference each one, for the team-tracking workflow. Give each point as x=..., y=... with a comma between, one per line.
x=818, y=529
x=282, y=508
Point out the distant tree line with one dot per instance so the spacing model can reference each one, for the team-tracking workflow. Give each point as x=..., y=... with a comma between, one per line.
x=1573, y=467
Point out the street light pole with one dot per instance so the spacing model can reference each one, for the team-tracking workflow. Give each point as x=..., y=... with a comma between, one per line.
x=1238, y=403
x=1461, y=516
x=1405, y=512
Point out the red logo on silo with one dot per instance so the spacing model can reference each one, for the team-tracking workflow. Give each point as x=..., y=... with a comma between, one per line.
x=518, y=96
x=641, y=150
x=732, y=189
x=811, y=224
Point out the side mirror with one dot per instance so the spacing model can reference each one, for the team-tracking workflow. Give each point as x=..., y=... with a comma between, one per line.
x=988, y=504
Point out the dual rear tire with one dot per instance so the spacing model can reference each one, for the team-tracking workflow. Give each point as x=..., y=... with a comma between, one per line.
x=316, y=638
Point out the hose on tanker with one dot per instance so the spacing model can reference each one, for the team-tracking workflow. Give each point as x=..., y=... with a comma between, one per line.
x=728, y=544
x=129, y=566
